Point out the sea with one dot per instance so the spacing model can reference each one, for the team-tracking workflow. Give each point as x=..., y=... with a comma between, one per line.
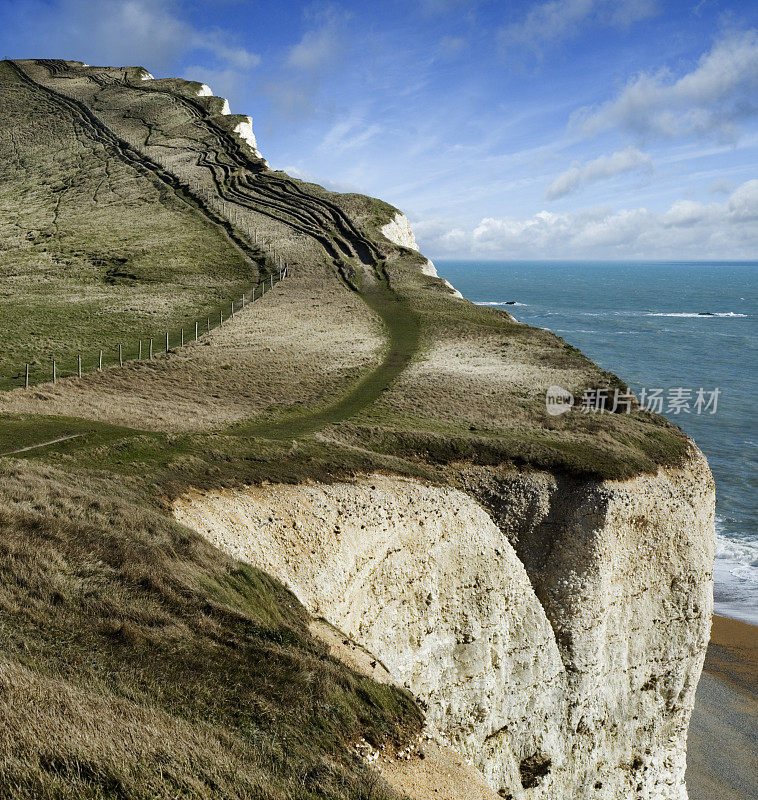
x=670, y=330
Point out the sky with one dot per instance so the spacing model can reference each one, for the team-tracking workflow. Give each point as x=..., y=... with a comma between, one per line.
x=590, y=129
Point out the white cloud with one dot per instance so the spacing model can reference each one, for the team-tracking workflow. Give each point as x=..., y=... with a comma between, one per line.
x=349, y=133
x=558, y=20
x=743, y=204
x=237, y=57
x=147, y=33
x=451, y=45
x=444, y=6
x=320, y=45
x=713, y=98
x=686, y=230
x=579, y=175
x=308, y=177
x=721, y=186
x=294, y=88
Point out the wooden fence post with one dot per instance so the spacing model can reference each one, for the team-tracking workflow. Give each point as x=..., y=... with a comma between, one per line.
x=54, y=373
x=221, y=317
x=151, y=349
x=139, y=351
x=196, y=333
x=26, y=379
x=167, y=341
x=79, y=364
x=120, y=357
x=100, y=362
x=209, y=324
x=182, y=337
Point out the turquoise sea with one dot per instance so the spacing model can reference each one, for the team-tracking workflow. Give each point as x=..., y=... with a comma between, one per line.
x=661, y=325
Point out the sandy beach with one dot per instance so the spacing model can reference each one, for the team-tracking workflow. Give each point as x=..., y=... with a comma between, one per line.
x=723, y=739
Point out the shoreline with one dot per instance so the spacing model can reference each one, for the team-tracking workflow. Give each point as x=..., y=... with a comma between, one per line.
x=722, y=745
x=733, y=653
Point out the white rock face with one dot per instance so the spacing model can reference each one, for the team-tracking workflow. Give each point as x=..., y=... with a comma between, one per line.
x=429, y=269
x=399, y=232
x=624, y=573
x=145, y=76
x=225, y=108
x=245, y=131
x=204, y=91
x=558, y=651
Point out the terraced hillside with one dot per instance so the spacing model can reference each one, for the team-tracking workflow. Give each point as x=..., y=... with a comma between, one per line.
x=132, y=205
x=360, y=336
x=84, y=266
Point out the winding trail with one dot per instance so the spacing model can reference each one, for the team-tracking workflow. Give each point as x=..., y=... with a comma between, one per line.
x=43, y=444
x=403, y=334
x=248, y=183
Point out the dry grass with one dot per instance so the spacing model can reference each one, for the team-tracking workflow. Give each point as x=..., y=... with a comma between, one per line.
x=136, y=661
x=474, y=388
x=84, y=264
x=292, y=350
x=139, y=662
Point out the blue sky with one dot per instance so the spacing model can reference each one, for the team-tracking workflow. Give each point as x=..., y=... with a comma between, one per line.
x=561, y=129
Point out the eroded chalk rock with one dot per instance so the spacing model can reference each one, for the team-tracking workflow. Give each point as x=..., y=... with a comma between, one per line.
x=558, y=651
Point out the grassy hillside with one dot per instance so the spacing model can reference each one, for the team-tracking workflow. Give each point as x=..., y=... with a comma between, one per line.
x=138, y=661
x=96, y=251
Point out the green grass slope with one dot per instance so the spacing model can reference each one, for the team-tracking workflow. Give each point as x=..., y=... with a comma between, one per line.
x=95, y=251
x=136, y=661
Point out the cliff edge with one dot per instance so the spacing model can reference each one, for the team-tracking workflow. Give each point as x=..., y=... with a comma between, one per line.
x=357, y=432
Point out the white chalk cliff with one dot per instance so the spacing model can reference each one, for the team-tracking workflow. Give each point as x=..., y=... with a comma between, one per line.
x=558, y=650
x=398, y=230
x=244, y=130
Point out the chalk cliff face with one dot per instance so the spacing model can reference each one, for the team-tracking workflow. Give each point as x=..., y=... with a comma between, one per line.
x=557, y=650
x=398, y=230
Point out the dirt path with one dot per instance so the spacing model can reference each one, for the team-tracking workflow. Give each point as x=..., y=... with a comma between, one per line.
x=43, y=444
x=403, y=333
x=280, y=198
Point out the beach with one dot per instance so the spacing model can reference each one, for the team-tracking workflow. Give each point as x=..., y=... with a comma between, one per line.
x=722, y=757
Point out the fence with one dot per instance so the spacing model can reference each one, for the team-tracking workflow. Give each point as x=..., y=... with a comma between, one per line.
x=147, y=348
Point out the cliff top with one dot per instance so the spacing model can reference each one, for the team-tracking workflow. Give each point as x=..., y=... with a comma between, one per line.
x=145, y=209
x=145, y=242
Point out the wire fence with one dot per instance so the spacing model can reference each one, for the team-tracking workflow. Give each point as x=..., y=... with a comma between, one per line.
x=146, y=348
x=141, y=348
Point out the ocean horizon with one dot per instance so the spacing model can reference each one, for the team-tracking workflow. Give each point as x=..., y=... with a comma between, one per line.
x=676, y=327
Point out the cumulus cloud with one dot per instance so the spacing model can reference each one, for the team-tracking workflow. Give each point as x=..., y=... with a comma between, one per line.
x=714, y=97
x=579, y=175
x=743, y=204
x=721, y=186
x=557, y=20
x=687, y=229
